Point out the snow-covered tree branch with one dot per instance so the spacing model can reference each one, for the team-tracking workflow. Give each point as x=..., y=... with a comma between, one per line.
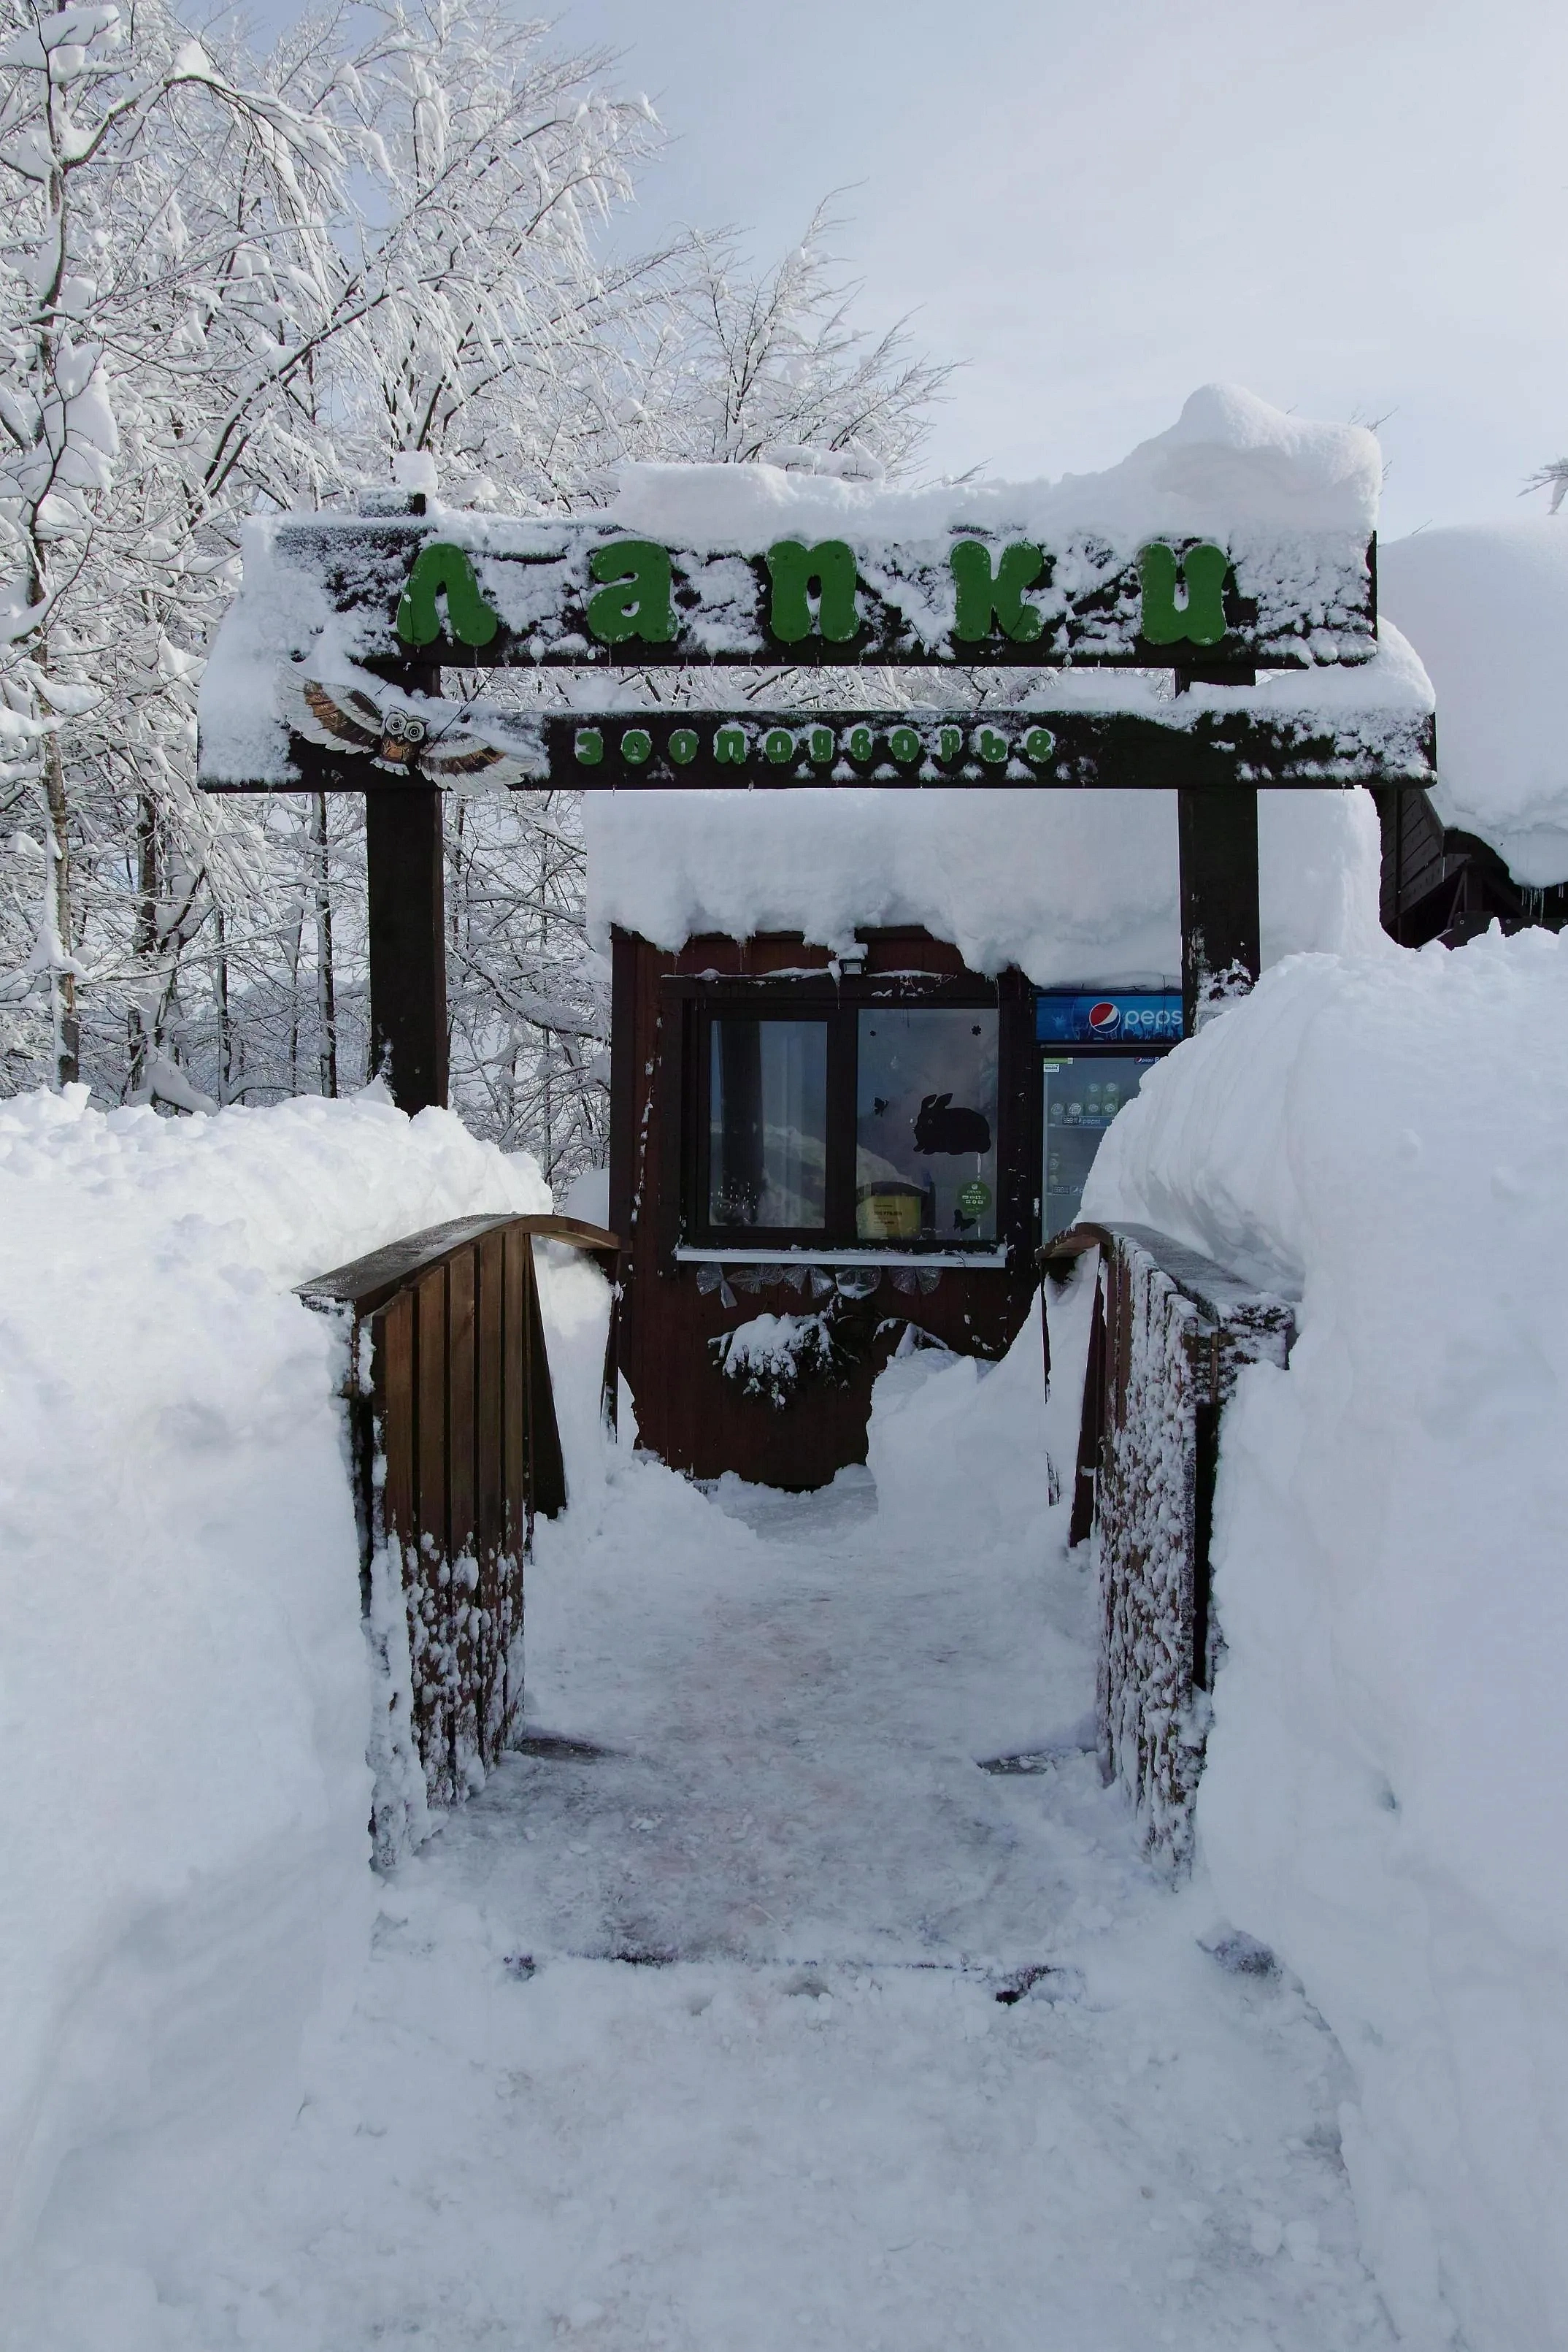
x=242, y=283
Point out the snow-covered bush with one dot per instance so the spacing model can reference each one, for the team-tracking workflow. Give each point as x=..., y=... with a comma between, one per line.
x=772, y=1356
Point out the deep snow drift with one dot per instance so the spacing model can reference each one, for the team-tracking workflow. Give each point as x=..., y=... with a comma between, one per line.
x=780, y=2021
x=818, y=2117
x=1385, y=1138
x=183, y=1674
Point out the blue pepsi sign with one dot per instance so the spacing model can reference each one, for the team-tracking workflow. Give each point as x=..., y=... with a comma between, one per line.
x=1063, y=1020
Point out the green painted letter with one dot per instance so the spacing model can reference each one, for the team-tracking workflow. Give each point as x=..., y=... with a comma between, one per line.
x=985, y=599
x=830, y=569
x=634, y=601
x=1200, y=621
x=443, y=569
x=729, y=747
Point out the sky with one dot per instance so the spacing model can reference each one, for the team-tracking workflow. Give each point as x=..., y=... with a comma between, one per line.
x=1357, y=208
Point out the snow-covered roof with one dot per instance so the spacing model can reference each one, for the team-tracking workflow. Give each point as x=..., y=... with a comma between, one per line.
x=1486, y=606
x=1070, y=888
x=1067, y=886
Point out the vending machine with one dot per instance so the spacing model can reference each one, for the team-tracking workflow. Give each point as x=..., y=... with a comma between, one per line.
x=1093, y=1054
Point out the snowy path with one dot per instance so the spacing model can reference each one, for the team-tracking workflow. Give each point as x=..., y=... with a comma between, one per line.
x=815, y=2122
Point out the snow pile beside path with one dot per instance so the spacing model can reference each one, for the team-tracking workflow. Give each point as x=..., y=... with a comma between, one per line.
x=1486, y=606
x=1382, y=1801
x=184, y=1683
x=1069, y=887
x=958, y=1446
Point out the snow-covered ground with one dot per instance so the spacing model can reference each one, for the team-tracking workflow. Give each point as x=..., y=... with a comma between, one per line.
x=706, y=2039
x=711, y=2040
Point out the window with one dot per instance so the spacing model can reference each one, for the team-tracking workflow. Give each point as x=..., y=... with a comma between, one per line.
x=841, y=1117
x=926, y=1123
x=767, y=1123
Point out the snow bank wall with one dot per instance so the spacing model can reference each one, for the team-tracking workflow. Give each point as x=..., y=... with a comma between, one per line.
x=183, y=1682
x=1382, y=1802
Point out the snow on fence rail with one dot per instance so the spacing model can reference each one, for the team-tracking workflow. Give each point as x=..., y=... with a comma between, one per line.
x=1170, y=1332
x=455, y=1450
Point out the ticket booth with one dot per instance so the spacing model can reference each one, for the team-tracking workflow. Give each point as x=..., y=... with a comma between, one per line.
x=811, y=1167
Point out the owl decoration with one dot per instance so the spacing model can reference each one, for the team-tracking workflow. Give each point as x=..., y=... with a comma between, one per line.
x=395, y=737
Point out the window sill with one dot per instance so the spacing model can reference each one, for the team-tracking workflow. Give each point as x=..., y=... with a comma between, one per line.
x=989, y=1255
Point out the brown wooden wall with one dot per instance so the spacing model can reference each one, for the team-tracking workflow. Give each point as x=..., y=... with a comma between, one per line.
x=687, y=1411
x=455, y=1450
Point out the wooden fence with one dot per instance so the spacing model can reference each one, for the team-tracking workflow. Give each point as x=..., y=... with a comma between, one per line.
x=455, y=1450
x=1170, y=1333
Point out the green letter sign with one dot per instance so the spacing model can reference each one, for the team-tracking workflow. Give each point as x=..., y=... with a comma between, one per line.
x=443, y=569
x=1201, y=619
x=634, y=601
x=983, y=597
x=830, y=569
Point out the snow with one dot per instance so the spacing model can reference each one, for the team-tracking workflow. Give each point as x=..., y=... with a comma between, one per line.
x=1486, y=605
x=1231, y=464
x=777, y=2021
x=749, y=2008
x=1384, y=1138
x=1068, y=887
x=183, y=1682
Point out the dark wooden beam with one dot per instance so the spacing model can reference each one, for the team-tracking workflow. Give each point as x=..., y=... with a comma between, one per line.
x=1076, y=750
x=1217, y=833
x=407, y=944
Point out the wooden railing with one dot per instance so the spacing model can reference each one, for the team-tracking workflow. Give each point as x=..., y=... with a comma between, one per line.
x=455, y=1451
x=1170, y=1333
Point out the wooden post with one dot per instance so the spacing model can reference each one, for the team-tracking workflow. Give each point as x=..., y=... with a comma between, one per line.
x=407, y=923
x=1218, y=831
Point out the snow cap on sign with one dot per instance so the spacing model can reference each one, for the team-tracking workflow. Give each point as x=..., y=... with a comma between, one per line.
x=1229, y=463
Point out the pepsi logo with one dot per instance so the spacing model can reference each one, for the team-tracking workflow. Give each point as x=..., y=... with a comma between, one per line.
x=1104, y=1020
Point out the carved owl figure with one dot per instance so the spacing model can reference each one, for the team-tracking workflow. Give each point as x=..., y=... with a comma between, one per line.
x=396, y=738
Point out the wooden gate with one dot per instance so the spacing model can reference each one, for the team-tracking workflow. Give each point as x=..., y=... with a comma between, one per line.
x=455, y=1450
x=1171, y=1331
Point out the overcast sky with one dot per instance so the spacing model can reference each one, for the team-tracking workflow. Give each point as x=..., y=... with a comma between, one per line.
x=1358, y=208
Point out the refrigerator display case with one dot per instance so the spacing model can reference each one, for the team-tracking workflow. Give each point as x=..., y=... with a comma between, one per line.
x=1094, y=1053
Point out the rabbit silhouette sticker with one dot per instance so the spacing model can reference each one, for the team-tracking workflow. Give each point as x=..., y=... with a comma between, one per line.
x=939, y=1127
